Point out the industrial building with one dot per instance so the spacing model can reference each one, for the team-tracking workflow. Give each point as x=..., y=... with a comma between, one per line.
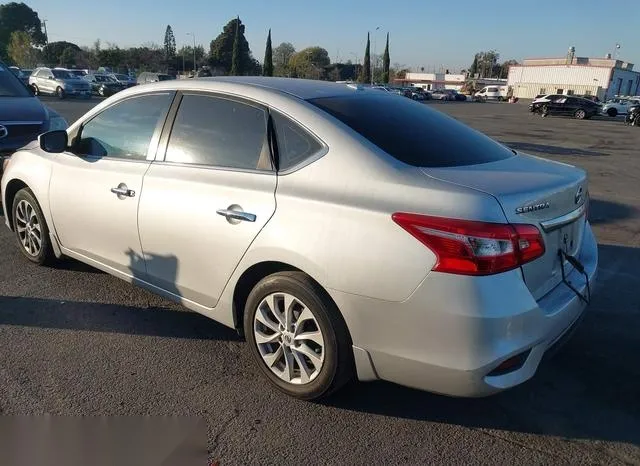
x=602, y=77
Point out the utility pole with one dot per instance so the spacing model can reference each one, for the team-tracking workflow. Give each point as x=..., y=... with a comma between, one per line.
x=46, y=36
x=194, y=52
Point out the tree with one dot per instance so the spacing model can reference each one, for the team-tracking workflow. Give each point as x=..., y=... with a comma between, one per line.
x=474, y=66
x=68, y=57
x=169, y=44
x=504, y=68
x=309, y=63
x=20, y=50
x=386, y=62
x=19, y=17
x=366, y=65
x=221, y=48
x=236, y=58
x=185, y=55
x=52, y=52
x=268, y=58
x=281, y=56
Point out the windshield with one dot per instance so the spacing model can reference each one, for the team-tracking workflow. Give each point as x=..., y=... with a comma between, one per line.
x=411, y=132
x=10, y=85
x=122, y=77
x=164, y=77
x=62, y=74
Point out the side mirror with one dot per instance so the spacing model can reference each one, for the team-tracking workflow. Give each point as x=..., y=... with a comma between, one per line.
x=53, y=142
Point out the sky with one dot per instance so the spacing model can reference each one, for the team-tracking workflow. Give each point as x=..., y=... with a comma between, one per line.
x=423, y=33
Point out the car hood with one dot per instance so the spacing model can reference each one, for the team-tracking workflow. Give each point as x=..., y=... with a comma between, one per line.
x=22, y=109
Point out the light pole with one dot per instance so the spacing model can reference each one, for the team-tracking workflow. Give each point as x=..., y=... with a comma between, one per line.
x=194, y=51
x=373, y=66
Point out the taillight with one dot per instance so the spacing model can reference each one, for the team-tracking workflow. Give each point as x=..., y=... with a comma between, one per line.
x=474, y=248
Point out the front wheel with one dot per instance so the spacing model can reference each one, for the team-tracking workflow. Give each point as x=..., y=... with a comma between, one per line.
x=60, y=93
x=31, y=229
x=612, y=112
x=297, y=336
x=544, y=111
x=580, y=114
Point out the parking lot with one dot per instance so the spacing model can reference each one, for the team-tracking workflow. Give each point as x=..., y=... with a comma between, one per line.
x=77, y=341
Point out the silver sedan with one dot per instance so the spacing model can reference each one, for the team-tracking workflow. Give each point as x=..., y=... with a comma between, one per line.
x=345, y=232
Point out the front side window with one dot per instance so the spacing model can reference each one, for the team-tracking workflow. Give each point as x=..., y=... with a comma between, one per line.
x=295, y=144
x=61, y=74
x=219, y=132
x=125, y=129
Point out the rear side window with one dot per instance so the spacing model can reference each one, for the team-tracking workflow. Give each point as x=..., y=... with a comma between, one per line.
x=221, y=133
x=412, y=132
x=295, y=144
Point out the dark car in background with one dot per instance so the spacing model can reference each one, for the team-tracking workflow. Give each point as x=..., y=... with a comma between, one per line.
x=124, y=80
x=104, y=85
x=565, y=105
x=22, y=116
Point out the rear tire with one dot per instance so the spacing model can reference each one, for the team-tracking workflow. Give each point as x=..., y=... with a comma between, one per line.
x=30, y=228
x=280, y=353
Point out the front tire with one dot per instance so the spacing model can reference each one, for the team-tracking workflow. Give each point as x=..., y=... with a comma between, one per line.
x=612, y=112
x=30, y=227
x=60, y=93
x=297, y=336
x=580, y=114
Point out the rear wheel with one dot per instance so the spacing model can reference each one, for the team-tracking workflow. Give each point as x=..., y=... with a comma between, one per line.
x=31, y=229
x=297, y=336
x=580, y=114
x=612, y=112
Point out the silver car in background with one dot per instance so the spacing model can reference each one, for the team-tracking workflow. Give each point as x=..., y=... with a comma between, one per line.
x=58, y=82
x=345, y=232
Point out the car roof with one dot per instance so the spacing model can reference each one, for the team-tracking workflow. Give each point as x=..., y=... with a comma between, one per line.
x=302, y=88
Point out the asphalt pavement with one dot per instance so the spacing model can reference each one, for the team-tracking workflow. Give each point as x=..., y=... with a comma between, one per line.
x=76, y=341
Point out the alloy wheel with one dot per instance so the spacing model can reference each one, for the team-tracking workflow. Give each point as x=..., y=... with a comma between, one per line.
x=289, y=338
x=28, y=228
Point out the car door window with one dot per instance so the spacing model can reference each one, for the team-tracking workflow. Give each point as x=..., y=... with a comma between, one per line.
x=295, y=144
x=219, y=132
x=125, y=129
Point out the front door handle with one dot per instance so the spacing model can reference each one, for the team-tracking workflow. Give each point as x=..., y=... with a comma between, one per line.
x=237, y=215
x=123, y=191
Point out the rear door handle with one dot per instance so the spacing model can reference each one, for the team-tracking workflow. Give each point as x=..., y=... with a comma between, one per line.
x=236, y=215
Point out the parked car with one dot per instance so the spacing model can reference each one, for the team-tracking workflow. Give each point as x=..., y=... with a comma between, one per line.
x=249, y=203
x=147, y=77
x=124, y=80
x=58, y=82
x=564, y=105
x=498, y=93
x=103, y=84
x=22, y=75
x=22, y=116
x=618, y=106
x=441, y=94
x=632, y=117
x=415, y=93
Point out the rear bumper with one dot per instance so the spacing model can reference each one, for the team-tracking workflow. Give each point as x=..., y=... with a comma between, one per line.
x=454, y=331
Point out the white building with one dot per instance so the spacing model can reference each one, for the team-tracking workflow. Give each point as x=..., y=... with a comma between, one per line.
x=433, y=81
x=602, y=77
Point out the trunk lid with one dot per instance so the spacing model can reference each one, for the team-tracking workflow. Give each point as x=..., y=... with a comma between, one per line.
x=549, y=195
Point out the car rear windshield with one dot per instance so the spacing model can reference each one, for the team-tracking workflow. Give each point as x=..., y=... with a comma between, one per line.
x=411, y=132
x=10, y=85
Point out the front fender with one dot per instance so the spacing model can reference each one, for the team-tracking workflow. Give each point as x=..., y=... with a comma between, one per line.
x=33, y=170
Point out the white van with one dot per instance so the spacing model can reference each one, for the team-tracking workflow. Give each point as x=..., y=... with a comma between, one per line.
x=493, y=93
